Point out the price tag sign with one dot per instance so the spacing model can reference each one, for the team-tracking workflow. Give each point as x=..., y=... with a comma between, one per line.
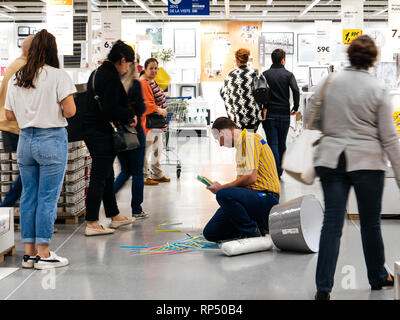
x=350, y=34
x=323, y=30
x=394, y=24
x=111, y=30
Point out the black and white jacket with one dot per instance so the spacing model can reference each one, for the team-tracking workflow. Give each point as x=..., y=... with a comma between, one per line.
x=237, y=94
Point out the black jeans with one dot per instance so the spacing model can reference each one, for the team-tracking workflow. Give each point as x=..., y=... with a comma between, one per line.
x=276, y=129
x=101, y=186
x=368, y=187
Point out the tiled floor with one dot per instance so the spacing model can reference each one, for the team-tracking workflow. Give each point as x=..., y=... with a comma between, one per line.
x=100, y=269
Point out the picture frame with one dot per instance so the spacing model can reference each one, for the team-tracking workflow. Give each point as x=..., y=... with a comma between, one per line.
x=19, y=42
x=185, y=43
x=316, y=74
x=188, y=91
x=279, y=40
x=23, y=31
x=306, y=44
x=188, y=75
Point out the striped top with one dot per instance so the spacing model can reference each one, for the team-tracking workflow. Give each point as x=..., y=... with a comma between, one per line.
x=159, y=95
x=253, y=153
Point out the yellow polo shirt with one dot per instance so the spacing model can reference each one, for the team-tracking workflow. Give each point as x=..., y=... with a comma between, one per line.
x=254, y=153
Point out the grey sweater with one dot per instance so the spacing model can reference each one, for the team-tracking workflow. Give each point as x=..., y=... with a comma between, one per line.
x=356, y=117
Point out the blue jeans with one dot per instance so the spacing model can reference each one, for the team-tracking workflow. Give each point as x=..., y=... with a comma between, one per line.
x=132, y=162
x=42, y=160
x=368, y=187
x=242, y=211
x=13, y=195
x=276, y=129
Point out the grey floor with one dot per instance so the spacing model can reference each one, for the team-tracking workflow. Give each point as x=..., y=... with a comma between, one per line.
x=100, y=269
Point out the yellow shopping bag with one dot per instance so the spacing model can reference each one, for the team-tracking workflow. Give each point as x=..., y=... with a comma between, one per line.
x=396, y=118
x=162, y=78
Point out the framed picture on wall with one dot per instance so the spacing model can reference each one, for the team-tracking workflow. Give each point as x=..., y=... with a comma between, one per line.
x=188, y=75
x=317, y=74
x=23, y=31
x=188, y=91
x=279, y=40
x=19, y=42
x=185, y=43
x=306, y=45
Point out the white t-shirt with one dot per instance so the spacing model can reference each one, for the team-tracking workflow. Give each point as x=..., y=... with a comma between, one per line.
x=40, y=107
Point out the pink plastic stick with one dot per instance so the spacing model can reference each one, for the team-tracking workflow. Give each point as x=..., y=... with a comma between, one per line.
x=175, y=252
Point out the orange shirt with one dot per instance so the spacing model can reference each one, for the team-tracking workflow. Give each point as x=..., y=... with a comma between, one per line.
x=150, y=103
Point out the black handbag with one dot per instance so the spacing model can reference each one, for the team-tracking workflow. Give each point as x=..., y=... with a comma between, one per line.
x=124, y=136
x=155, y=121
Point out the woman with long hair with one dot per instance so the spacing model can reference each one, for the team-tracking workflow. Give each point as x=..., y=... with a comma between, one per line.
x=132, y=161
x=154, y=98
x=112, y=106
x=39, y=98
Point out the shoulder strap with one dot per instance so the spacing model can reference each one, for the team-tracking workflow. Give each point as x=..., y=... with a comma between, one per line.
x=319, y=100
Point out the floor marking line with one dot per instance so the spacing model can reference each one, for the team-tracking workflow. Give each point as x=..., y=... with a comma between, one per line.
x=59, y=247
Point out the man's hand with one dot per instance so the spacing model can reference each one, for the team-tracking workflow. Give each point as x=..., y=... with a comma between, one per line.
x=264, y=114
x=214, y=188
x=134, y=122
x=163, y=112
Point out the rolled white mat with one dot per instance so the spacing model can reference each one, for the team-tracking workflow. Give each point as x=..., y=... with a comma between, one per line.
x=247, y=245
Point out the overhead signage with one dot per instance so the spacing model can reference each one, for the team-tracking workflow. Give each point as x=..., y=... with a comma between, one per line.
x=394, y=24
x=111, y=30
x=188, y=7
x=323, y=41
x=60, y=23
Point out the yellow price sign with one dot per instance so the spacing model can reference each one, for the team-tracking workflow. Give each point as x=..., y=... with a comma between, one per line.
x=350, y=34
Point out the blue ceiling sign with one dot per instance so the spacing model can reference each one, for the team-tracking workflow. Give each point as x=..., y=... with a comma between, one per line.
x=188, y=7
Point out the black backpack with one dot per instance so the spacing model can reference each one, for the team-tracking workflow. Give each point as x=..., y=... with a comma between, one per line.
x=261, y=90
x=75, y=126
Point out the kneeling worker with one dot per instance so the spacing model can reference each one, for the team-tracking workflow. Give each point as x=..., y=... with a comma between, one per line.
x=246, y=202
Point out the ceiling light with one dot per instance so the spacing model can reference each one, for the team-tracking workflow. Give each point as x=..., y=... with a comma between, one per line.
x=380, y=12
x=329, y=2
x=165, y=1
x=126, y=3
x=265, y=12
x=269, y=2
x=5, y=16
x=248, y=6
x=309, y=7
x=9, y=8
x=144, y=7
x=95, y=2
x=215, y=2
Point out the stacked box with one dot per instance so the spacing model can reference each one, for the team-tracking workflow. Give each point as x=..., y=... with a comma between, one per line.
x=76, y=181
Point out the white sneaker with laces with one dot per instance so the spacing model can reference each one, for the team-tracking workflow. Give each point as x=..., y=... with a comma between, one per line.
x=54, y=261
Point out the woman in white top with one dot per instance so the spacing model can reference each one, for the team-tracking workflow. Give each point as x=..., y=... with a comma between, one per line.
x=39, y=98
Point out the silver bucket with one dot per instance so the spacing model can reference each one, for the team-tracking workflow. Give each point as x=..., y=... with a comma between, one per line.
x=296, y=225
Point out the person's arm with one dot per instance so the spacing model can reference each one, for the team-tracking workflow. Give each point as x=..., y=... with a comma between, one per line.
x=149, y=100
x=388, y=134
x=243, y=181
x=112, y=109
x=68, y=106
x=10, y=116
x=296, y=94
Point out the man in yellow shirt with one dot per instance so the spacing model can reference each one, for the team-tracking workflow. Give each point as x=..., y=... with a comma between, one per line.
x=245, y=202
x=10, y=129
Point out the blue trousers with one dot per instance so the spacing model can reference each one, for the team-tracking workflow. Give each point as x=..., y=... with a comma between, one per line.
x=368, y=187
x=242, y=211
x=276, y=129
x=42, y=160
x=132, y=162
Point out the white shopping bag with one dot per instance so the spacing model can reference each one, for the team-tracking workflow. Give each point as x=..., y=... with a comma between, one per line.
x=298, y=158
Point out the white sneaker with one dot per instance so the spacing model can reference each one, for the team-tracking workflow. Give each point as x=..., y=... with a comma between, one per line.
x=141, y=215
x=28, y=261
x=54, y=261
